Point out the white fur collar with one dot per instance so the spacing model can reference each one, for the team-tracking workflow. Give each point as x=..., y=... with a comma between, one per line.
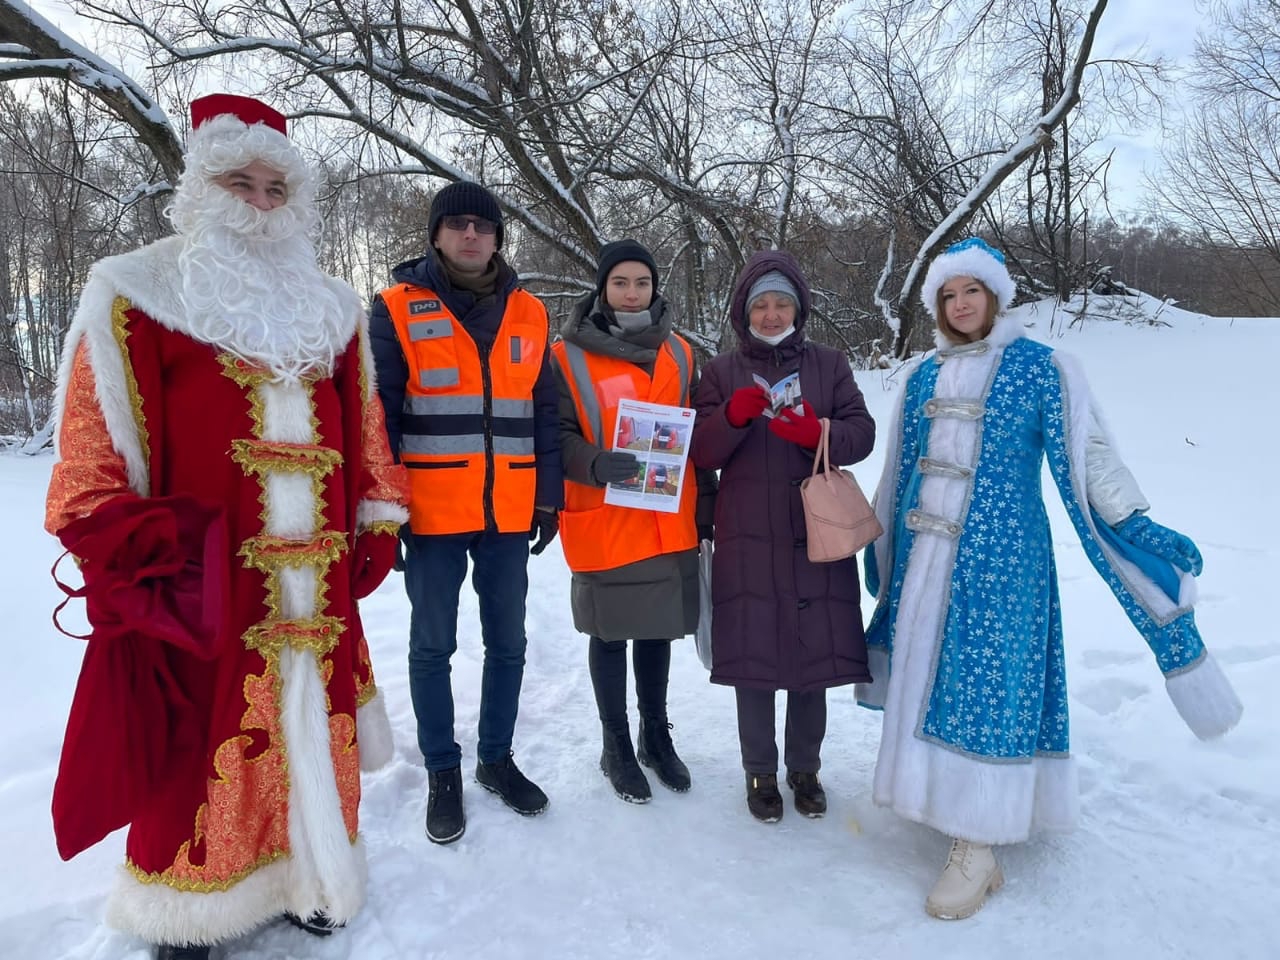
x=148, y=279
x=1003, y=332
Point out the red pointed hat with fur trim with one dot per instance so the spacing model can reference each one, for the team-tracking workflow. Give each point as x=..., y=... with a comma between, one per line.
x=246, y=109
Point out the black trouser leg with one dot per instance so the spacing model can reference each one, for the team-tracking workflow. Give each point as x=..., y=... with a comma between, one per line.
x=806, y=729
x=652, y=662
x=757, y=732
x=607, y=660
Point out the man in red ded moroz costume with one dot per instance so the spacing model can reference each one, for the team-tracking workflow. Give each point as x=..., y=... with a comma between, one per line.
x=225, y=483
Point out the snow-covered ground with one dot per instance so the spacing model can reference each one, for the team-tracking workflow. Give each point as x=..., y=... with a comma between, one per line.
x=1177, y=853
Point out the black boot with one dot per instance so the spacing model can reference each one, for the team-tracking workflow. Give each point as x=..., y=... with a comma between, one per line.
x=608, y=662
x=811, y=799
x=618, y=762
x=446, y=820
x=318, y=924
x=652, y=660
x=516, y=790
x=166, y=952
x=659, y=753
x=763, y=799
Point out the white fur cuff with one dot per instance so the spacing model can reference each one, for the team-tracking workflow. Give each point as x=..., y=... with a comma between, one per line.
x=873, y=694
x=369, y=512
x=1205, y=699
x=373, y=734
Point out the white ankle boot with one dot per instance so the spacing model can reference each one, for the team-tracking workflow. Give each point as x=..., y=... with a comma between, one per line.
x=970, y=874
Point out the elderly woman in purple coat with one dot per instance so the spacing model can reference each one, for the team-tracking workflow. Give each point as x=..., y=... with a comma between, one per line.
x=780, y=622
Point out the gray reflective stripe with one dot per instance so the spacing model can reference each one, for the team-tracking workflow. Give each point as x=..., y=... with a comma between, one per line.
x=513, y=446
x=513, y=408
x=446, y=404
x=682, y=364
x=586, y=391
x=440, y=377
x=429, y=329
x=463, y=443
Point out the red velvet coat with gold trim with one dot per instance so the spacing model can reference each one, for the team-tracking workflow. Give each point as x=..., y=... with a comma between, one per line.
x=257, y=813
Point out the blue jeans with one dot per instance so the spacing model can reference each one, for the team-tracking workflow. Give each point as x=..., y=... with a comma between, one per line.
x=435, y=567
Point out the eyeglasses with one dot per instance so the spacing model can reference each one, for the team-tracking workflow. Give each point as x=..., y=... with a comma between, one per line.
x=483, y=227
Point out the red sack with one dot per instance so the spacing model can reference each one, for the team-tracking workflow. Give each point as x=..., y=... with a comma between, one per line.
x=155, y=588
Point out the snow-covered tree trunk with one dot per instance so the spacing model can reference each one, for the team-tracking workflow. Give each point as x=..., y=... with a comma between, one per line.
x=1034, y=138
x=31, y=46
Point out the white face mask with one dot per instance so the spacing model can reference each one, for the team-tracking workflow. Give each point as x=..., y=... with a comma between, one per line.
x=776, y=339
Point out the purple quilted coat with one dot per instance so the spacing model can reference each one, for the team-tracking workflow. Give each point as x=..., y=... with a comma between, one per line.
x=780, y=622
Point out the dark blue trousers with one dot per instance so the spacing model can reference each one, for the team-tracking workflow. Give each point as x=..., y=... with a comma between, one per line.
x=435, y=567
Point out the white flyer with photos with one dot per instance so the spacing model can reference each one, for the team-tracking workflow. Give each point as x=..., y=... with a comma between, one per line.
x=659, y=437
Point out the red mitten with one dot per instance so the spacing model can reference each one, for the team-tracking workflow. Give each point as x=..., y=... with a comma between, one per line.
x=371, y=560
x=799, y=425
x=746, y=404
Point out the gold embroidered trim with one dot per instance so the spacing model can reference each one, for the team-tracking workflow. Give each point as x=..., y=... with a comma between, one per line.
x=260, y=457
x=365, y=694
x=384, y=526
x=271, y=554
x=120, y=327
x=248, y=377
x=202, y=886
x=319, y=635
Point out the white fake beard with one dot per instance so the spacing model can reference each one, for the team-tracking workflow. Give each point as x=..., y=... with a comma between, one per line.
x=250, y=284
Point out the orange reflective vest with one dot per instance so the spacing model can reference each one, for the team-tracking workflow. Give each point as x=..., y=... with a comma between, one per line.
x=600, y=536
x=467, y=430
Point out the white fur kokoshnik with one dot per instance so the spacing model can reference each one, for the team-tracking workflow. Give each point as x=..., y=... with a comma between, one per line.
x=969, y=258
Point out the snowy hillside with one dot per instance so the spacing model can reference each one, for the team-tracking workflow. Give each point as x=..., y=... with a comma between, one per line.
x=1179, y=842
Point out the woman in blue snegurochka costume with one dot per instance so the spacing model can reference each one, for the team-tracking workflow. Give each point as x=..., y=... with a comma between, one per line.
x=966, y=641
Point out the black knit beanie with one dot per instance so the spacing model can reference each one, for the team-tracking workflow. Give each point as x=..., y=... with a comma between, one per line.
x=621, y=251
x=460, y=199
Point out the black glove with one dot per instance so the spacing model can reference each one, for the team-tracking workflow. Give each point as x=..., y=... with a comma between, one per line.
x=611, y=466
x=402, y=547
x=706, y=531
x=546, y=524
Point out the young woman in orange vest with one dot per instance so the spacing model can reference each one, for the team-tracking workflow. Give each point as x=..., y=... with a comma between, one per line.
x=635, y=572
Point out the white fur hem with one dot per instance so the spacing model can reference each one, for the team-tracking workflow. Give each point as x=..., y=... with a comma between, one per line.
x=160, y=914
x=1205, y=699
x=369, y=512
x=373, y=734
x=978, y=801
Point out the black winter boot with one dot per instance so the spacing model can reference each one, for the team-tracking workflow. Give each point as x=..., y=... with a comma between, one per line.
x=516, y=790
x=659, y=753
x=618, y=762
x=167, y=952
x=446, y=820
x=811, y=799
x=318, y=924
x=652, y=660
x=763, y=799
